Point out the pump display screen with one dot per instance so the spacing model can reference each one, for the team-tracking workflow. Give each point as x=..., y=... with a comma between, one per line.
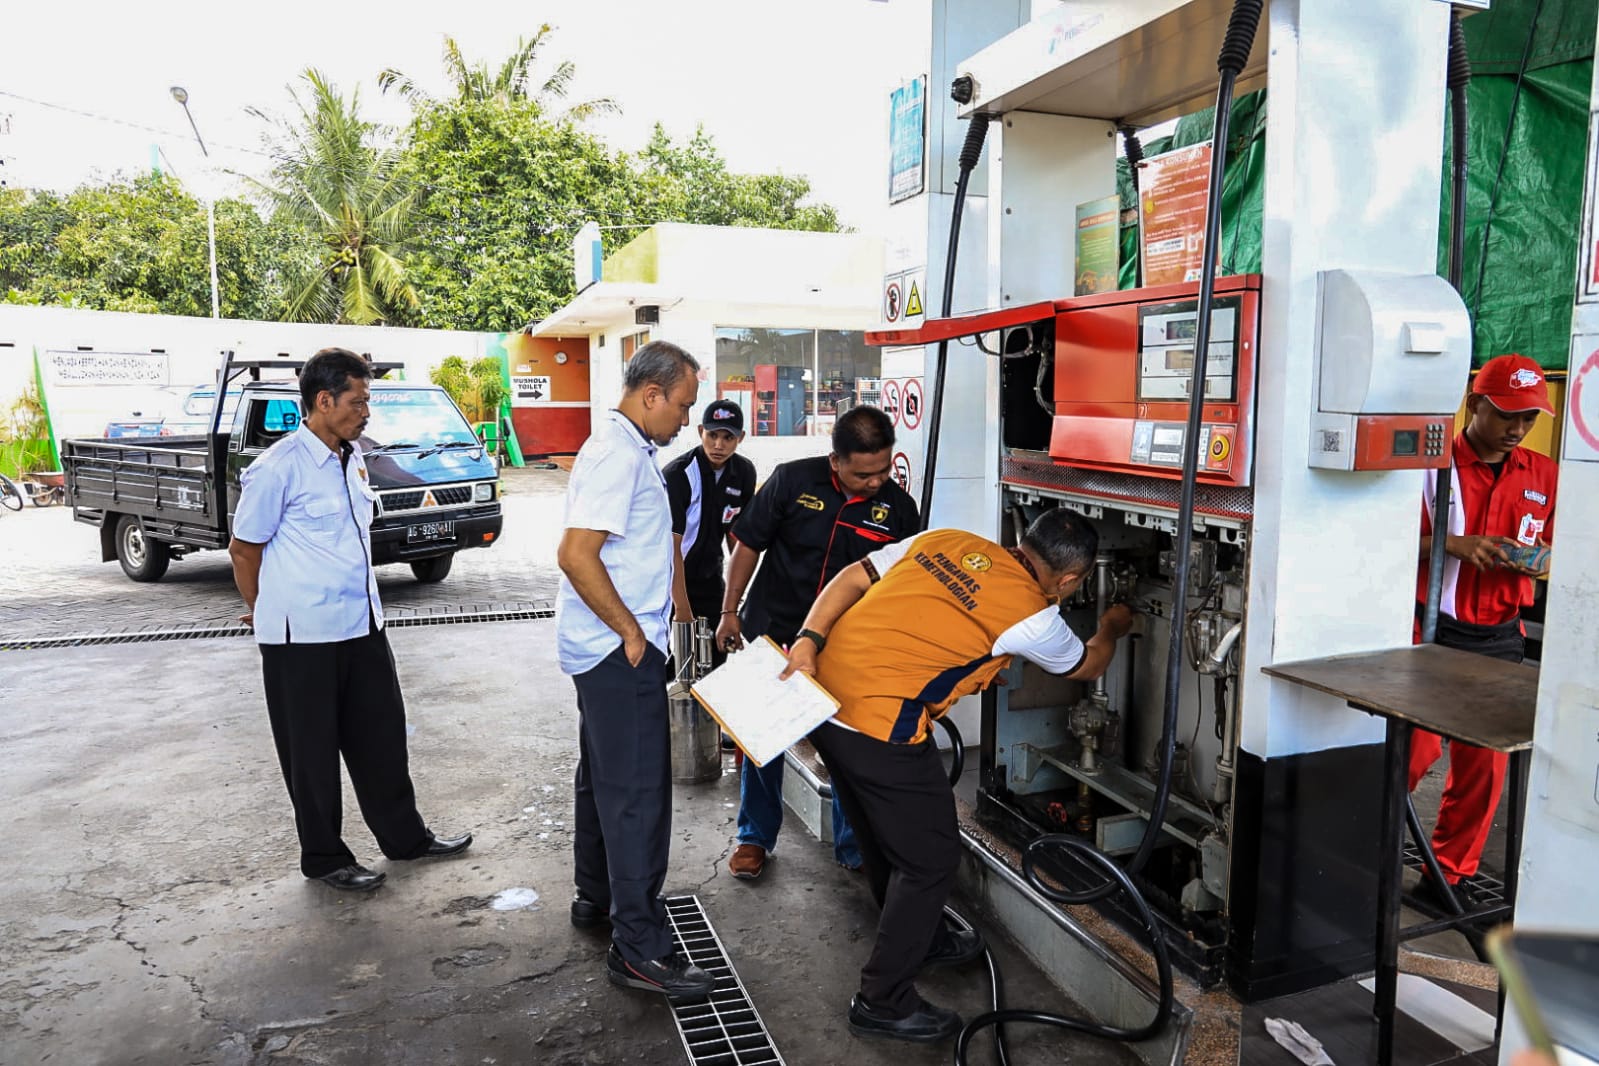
x=1407, y=441
x=1182, y=329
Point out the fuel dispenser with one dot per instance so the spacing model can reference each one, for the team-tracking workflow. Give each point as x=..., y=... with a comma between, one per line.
x=1111, y=377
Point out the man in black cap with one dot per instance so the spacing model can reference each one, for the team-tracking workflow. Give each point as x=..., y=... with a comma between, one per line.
x=707, y=488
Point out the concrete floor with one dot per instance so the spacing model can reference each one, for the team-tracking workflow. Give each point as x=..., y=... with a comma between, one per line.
x=153, y=911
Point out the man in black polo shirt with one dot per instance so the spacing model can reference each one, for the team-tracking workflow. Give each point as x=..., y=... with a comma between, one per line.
x=811, y=519
x=707, y=488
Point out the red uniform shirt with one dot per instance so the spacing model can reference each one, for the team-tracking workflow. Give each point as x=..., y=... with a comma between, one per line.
x=1519, y=504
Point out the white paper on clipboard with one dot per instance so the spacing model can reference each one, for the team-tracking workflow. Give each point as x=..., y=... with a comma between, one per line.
x=762, y=714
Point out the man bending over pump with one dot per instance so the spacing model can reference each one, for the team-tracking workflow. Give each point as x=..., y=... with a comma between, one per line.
x=897, y=638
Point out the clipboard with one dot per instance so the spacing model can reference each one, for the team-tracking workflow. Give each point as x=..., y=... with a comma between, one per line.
x=763, y=715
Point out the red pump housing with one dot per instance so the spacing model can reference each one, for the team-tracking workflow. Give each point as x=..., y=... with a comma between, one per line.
x=1123, y=370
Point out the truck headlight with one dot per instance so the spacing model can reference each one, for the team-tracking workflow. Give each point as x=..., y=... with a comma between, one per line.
x=483, y=492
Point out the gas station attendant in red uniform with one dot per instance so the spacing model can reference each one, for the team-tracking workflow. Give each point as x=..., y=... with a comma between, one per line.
x=1502, y=500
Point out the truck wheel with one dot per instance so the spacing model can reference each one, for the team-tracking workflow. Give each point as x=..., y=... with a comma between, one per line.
x=430, y=571
x=143, y=558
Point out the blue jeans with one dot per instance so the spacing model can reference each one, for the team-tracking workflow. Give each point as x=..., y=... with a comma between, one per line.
x=760, y=813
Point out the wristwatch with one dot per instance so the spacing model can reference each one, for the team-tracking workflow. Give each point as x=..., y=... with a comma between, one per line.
x=815, y=638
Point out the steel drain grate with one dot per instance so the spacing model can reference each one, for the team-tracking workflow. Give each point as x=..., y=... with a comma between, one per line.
x=1487, y=888
x=438, y=618
x=724, y=1030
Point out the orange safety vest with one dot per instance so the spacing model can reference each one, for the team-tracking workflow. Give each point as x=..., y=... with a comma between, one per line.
x=923, y=636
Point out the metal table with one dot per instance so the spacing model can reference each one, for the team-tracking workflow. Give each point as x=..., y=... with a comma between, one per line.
x=1471, y=698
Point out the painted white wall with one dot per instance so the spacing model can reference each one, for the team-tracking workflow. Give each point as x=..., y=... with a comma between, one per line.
x=193, y=346
x=1351, y=182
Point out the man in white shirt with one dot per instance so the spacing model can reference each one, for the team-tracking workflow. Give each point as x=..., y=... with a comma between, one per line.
x=302, y=555
x=612, y=616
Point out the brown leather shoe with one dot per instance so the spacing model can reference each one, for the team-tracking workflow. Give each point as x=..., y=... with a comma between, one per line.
x=748, y=861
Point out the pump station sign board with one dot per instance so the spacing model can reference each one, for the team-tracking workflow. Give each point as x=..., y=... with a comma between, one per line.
x=1172, y=190
x=907, y=140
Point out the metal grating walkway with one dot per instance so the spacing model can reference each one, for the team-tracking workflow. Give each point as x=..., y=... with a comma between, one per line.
x=724, y=1030
x=492, y=613
x=1488, y=888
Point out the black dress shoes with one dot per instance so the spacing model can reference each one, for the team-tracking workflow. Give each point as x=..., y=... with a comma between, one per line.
x=353, y=878
x=953, y=947
x=588, y=914
x=673, y=975
x=443, y=846
x=928, y=1024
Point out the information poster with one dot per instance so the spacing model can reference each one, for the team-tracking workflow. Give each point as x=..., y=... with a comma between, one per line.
x=1098, y=245
x=1172, y=191
x=907, y=140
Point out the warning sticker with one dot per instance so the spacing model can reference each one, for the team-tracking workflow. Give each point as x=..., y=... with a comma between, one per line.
x=891, y=399
x=902, y=471
x=913, y=402
x=913, y=302
x=891, y=301
x=1582, y=443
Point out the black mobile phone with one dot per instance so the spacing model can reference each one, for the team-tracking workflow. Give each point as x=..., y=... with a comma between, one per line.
x=1552, y=981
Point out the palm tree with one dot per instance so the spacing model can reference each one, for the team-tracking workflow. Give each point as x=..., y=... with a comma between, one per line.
x=336, y=179
x=512, y=82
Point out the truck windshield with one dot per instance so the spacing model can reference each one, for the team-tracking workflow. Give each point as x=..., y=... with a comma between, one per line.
x=425, y=416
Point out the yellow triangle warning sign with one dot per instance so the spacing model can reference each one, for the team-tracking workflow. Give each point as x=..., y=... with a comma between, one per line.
x=913, y=304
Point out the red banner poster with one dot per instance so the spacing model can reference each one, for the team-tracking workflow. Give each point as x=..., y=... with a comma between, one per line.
x=1171, y=214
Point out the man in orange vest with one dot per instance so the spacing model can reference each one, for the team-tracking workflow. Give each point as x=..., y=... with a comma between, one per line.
x=897, y=638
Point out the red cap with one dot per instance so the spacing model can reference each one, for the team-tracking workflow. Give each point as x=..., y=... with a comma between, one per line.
x=1513, y=383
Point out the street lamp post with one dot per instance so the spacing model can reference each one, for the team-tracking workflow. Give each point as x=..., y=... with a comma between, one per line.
x=181, y=95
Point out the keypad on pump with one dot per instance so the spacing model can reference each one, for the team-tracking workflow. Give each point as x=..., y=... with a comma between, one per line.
x=1435, y=438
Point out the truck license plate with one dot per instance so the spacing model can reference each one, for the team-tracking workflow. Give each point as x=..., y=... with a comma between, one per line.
x=426, y=531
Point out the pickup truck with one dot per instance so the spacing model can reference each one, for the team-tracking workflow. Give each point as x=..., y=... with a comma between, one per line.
x=156, y=499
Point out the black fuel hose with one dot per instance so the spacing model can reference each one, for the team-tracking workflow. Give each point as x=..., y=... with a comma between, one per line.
x=971, y=151
x=1133, y=149
x=1459, y=81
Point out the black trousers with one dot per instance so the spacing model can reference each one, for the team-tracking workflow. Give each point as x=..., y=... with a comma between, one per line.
x=343, y=698
x=623, y=822
x=898, y=799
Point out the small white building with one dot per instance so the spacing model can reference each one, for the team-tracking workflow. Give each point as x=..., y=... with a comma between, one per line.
x=777, y=319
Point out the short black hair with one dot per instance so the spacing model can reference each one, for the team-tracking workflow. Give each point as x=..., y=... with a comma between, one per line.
x=1064, y=540
x=660, y=363
x=330, y=370
x=862, y=430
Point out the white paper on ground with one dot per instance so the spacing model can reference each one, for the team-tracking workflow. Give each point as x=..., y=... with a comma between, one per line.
x=1459, y=1021
x=762, y=714
x=1299, y=1043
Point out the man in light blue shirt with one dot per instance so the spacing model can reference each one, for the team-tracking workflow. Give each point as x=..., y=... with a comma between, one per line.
x=612, y=615
x=302, y=558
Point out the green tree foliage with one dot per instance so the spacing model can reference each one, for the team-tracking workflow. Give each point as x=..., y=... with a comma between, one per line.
x=691, y=183
x=140, y=245
x=336, y=180
x=477, y=388
x=512, y=82
x=501, y=193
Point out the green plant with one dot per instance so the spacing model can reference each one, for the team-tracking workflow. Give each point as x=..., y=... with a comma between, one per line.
x=25, y=435
x=477, y=388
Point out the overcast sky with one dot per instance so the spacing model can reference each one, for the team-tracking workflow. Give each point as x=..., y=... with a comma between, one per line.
x=800, y=88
